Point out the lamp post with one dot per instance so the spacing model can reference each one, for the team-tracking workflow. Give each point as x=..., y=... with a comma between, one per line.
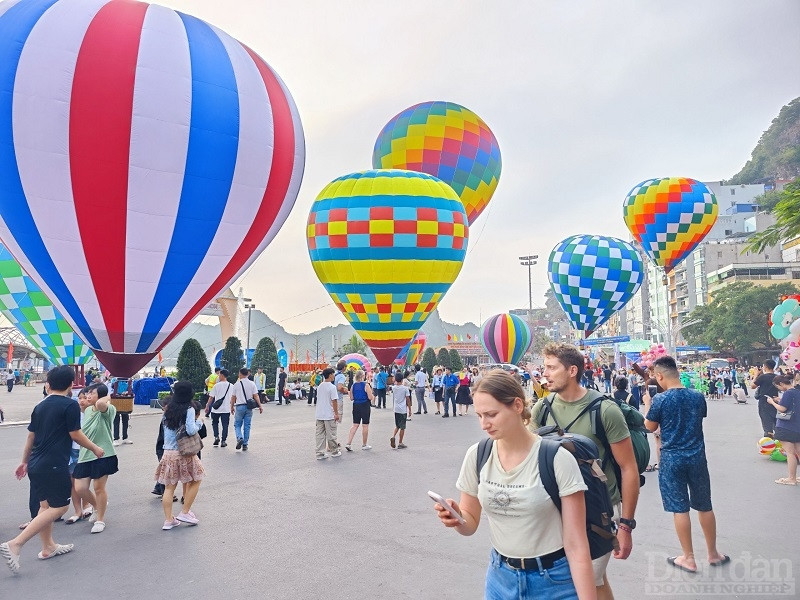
x=529, y=261
x=249, y=308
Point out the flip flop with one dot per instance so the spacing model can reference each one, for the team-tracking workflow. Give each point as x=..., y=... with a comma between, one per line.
x=12, y=560
x=649, y=469
x=60, y=549
x=24, y=525
x=671, y=560
x=786, y=481
x=725, y=560
x=73, y=519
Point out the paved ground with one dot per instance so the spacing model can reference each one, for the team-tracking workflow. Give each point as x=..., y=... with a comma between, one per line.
x=275, y=523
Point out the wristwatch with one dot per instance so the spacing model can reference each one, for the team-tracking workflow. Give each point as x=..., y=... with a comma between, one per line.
x=629, y=522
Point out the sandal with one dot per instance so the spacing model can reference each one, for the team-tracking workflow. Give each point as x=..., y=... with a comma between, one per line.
x=12, y=560
x=73, y=519
x=59, y=550
x=24, y=525
x=671, y=560
x=723, y=561
x=786, y=481
x=649, y=469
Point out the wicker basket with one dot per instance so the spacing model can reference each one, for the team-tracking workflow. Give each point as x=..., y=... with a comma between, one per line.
x=123, y=404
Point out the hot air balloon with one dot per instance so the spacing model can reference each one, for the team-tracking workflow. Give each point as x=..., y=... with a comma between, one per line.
x=506, y=338
x=416, y=348
x=387, y=245
x=29, y=310
x=448, y=141
x=593, y=277
x=357, y=361
x=669, y=217
x=146, y=159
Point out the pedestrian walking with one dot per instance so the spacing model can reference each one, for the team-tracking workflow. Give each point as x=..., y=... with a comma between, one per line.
x=340, y=381
x=327, y=416
x=787, y=425
x=244, y=400
x=10, y=380
x=380, y=388
x=438, y=389
x=362, y=401
x=282, y=395
x=683, y=478
x=220, y=398
x=180, y=419
x=537, y=552
x=124, y=418
x=765, y=388
x=82, y=510
x=401, y=398
x=420, y=389
x=260, y=379
x=55, y=424
x=463, y=397
x=450, y=382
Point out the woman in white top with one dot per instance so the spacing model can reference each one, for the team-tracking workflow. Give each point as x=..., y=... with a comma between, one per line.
x=523, y=521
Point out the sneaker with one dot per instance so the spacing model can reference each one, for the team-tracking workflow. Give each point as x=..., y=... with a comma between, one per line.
x=391, y=442
x=188, y=518
x=93, y=517
x=337, y=453
x=127, y=441
x=170, y=524
x=401, y=446
x=216, y=441
x=322, y=456
x=244, y=447
x=116, y=442
x=239, y=444
x=445, y=416
x=348, y=448
x=366, y=447
x=408, y=418
x=98, y=527
x=224, y=444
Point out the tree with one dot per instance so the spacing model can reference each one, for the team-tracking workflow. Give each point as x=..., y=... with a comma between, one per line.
x=456, y=364
x=443, y=358
x=539, y=341
x=193, y=365
x=736, y=319
x=787, y=220
x=266, y=357
x=232, y=355
x=429, y=360
x=355, y=345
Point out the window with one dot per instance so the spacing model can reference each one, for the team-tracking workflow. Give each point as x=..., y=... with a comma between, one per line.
x=729, y=232
x=719, y=254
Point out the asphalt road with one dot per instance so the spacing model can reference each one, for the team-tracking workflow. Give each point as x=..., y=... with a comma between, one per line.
x=275, y=523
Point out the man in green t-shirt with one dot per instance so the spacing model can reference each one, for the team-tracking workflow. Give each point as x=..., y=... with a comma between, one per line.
x=563, y=369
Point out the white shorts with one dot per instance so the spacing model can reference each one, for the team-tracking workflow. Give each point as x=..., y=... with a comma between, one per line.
x=599, y=564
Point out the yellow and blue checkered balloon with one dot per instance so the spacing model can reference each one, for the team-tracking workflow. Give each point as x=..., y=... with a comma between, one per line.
x=387, y=245
x=593, y=277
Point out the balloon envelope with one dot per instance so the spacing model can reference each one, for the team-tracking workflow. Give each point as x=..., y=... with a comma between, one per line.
x=669, y=217
x=387, y=245
x=448, y=141
x=416, y=348
x=506, y=338
x=593, y=277
x=29, y=310
x=146, y=159
x=357, y=361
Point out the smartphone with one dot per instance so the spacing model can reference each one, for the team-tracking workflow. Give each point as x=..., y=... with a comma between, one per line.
x=652, y=390
x=437, y=498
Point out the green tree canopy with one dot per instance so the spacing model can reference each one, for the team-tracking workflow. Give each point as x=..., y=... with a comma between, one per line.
x=455, y=360
x=232, y=355
x=193, y=365
x=355, y=345
x=266, y=357
x=443, y=358
x=429, y=360
x=787, y=220
x=736, y=319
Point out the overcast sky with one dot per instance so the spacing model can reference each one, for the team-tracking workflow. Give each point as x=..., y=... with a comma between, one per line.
x=586, y=100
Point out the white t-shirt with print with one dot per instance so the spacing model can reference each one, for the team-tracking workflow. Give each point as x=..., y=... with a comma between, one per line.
x=523, y=521
x=326, y=394
x=249, y=391
x=400, y=393
x=222, y=389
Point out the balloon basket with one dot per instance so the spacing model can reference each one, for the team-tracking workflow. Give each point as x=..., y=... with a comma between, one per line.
x=123, y=405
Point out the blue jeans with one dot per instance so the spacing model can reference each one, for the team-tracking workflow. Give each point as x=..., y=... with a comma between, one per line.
x=607, y=384
x=449, y=398
x=243, y=415
x=506, y=583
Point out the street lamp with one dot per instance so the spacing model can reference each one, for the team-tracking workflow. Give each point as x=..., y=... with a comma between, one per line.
x=249, y=308
x=529, y=261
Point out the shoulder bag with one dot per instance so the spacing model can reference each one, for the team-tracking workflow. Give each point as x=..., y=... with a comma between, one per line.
x=251, y=404
x=218, y=403
x=188, y=445
x=786, y=416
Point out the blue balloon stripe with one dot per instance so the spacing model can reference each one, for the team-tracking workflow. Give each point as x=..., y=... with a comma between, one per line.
x=392, y=201
x=390, y=326
x=15, y=27
x=210, y=163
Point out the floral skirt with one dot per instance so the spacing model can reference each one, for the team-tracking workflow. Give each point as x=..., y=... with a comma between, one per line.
x=175, y=468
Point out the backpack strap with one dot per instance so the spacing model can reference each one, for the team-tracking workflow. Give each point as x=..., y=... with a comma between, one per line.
x=547, y=470
x=547, y=411
x=484, y=451
x=593, y=405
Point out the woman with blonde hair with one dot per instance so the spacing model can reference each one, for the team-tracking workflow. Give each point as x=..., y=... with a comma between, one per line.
x=536, y=552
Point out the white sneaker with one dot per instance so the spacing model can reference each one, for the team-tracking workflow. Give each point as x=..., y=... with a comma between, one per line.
x=337, y=453
x=116, y=442
x=170, y=524
x=348, y=447
x=188, y=518
x=93, y=517
x=322, y=456
x=366, y=447
x=98, y=527
x=128, y=441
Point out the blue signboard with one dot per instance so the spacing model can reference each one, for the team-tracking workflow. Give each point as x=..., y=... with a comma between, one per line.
x=693, y=349
x=606, y=341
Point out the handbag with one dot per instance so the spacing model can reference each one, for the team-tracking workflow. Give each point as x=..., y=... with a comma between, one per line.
x=188, y=445
x=251, y=404
x=785, y=416
x=218, y=403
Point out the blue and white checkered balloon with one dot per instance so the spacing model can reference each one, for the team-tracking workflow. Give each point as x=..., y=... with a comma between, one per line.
x=593, y=277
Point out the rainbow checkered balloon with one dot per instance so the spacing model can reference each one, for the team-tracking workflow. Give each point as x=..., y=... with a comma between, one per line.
x=448, y=141
x=387, y=245
x=593, y=277
x=506, y=338
x=24, y=304
x=357, y=361
x=669, y=217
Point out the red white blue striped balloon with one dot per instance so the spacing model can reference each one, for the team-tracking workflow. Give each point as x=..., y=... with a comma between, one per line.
x=146, y=159
x=506, y=338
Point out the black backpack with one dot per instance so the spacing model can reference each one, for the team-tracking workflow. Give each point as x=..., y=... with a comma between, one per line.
x=600, y=529
x=633, y=419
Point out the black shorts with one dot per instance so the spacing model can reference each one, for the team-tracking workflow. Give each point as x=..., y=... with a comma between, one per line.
x=53, y=486
x=400, y=420
x=361, y=413
x=97, y=468
x=784, y=434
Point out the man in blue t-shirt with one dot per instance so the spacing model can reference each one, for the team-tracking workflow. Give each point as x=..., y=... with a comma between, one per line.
x=683, y=478
x=380, y=388
x=55, y=424
x=450, y=383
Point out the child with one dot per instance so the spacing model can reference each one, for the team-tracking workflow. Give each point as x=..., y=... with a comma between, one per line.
x=80, y=513
x=401, y=394
x=158, y=490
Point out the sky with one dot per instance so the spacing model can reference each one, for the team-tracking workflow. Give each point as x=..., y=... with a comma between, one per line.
x=586, y=99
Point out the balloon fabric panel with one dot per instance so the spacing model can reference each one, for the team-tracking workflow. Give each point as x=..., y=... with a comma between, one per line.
x=448, y=141
x=200, y=150
x=593, y=277
x=357, y=361
x=669, y=217
x=506, y=338
x=387, y=245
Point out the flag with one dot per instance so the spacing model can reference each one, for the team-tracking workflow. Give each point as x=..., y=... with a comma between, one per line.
x=160, y=358
x=449, y=337
x=469, y=337
x=308, y=356
x=291, y=356
x=10, y=353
